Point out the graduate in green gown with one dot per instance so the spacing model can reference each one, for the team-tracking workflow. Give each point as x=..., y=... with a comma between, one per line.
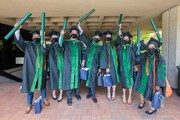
x=126, y=64
x=109, y=63
x=55, y=58
x=34, y=67
x=151, y=74
x=73, y=59
x=92, y=60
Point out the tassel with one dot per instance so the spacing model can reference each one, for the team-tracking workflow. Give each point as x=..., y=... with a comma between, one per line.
x=154, y=75
x=108, y=56
x=44, y=62
x=147, y=63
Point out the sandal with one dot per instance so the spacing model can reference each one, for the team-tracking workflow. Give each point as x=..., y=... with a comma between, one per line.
x=129, y=100
x=109, y=96
x=124, y=99
x=113, y=95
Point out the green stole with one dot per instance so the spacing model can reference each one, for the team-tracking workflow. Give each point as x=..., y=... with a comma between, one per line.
x=145, y=75
x=38, y=69
x=92, y=51
x=114, y=57
x=74, y=63
x=60, y=65
x=127, y=66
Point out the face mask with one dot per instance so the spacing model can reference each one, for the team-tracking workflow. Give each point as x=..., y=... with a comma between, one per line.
x=126, y=42
x=54, y=40
x=151, y=51
x=96, y=40
x=37, y=40
x=108, y=39
x=74, y=35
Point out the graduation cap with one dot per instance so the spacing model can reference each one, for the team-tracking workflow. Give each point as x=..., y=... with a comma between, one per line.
x=108, y=32
x=155, y=42
x=35, y=32
x=98, y=33
x=54, y=33
x=128, y=34
x=74, y=28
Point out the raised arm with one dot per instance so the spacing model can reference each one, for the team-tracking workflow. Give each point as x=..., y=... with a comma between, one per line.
x=83, y=37
x=59, y=41
x=119, y=38
x=19, y=40
x=44, y=49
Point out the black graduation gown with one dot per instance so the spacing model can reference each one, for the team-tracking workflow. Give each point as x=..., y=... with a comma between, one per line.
x=143, y=47
x=145, y=87
x=92, y=58
x=73, y=55
x=108, y=59
x=126, y=65
x=55, y=71
x=30, y=55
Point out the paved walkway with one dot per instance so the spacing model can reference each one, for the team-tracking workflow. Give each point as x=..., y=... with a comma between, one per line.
x=13, y=104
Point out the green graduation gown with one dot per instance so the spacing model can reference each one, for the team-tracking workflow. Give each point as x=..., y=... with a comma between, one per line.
x=73, y=55
x=34, y=71
x=108, y=59
x=56, y=62
x=92, y=58
x=126, y=65
x=144, y=81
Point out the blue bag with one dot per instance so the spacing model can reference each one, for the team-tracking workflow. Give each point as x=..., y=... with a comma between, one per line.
x=38, y=105
x=84, y=73
x=100, y=80
x=157, y=100
x=107, y=80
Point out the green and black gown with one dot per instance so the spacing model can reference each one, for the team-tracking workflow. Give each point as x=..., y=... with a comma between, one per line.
x=73, y=55
x=34, y=70
x=108, y=59
x=56, y=62
x=144, y=81
x=126, y=65
x=92, y=58
x=127, y=60
x=143, y=48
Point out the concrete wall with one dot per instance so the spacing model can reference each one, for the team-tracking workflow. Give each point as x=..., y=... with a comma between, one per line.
x=171, y=40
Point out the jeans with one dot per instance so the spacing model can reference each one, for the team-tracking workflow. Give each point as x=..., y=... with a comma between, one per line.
x=31, y=95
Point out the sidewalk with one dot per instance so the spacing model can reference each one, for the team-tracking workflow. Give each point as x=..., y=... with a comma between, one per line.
x=13, y=104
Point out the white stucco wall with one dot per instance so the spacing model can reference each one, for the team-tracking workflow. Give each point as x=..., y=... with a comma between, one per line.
x=171, y=43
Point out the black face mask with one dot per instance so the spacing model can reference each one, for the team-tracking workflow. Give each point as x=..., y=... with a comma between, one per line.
x=151, y=51
x=55, y=40
x=96, y=40
x=108, y=39
x=37, y=40
x=74, y=35
x=126, y=42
